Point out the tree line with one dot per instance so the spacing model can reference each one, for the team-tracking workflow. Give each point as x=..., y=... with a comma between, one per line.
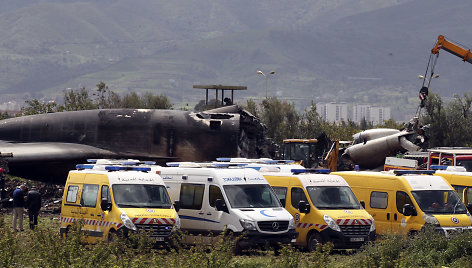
x=450, y=123
x=283, y=121
x=101, y=98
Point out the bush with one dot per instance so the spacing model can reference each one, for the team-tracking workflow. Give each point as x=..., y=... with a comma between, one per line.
x=45, y=248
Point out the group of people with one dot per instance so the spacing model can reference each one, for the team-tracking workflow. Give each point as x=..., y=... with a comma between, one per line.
x=29, y=199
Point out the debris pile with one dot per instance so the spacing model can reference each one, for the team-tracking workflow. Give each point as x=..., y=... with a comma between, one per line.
x=51, y=194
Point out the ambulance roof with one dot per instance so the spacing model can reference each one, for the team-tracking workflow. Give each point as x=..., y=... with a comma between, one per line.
x=416, y=182
x=223, y=176
x=125, y=176
x=321, y=180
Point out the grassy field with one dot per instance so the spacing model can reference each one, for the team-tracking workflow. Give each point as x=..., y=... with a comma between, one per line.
x=43, y=247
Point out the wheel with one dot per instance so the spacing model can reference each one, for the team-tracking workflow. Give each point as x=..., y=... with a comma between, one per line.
x=276, y=248
x=237, y=248
x=313, y=240
x=111, y=235
x=66, y=232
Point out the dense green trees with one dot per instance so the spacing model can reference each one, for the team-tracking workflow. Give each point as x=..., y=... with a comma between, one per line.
x=450, y=123
x=283, y=121
x=101, y=98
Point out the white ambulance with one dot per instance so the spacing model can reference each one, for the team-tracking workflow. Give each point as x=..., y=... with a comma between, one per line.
x=218, y=198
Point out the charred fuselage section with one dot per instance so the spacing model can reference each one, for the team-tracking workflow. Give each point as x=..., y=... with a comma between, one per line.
x=46, y=146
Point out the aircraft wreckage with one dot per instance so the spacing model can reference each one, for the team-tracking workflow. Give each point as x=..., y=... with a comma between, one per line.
x=46, y=146
x=370, y=147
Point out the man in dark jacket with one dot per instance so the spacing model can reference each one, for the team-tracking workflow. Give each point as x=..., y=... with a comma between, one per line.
x=33, y=204
x=18, y=207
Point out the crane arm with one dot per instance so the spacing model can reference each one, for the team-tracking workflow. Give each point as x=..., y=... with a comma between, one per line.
x=452, y=48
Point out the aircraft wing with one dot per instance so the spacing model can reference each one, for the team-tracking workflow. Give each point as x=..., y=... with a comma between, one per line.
x=51, y=151
x=51, y=161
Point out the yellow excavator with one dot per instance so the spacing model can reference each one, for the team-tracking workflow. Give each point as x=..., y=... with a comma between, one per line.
x=312, y=153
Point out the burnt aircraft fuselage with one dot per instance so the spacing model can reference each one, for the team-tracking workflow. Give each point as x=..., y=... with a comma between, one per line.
x=47, y=145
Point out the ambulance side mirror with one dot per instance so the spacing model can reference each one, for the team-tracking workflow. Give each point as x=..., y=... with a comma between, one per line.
x=469, y=208
x=177, y=205
x=409, y=210
x=105, y=204
x=303, y=207
x=220, y=205
x=362, y=203
x=282, y=201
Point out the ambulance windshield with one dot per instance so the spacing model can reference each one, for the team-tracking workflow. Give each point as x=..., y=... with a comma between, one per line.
x=251, y=196
x=141, y=196
x=333, y=197
x=439, y=202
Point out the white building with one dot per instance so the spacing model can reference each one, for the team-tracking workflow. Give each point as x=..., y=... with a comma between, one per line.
x=377, y=115
x=373, y=114
x=332, y=112
x=360, y=111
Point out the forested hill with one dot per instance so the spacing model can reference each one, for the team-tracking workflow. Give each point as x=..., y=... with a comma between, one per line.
x=363, y=51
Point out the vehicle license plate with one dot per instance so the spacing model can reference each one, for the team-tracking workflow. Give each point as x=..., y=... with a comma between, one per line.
x=357, y=239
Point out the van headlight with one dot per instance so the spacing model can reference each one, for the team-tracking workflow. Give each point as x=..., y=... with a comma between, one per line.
x=127, y=222
x=291, y=224
x=177, y=224
x=331, y=223
x=248, y=224
x=372, y=227
x=430, y=219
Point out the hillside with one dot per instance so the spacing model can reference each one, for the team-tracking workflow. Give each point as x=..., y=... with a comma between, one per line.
x=353, y=51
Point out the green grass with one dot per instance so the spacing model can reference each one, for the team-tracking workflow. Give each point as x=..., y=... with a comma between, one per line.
x=43, y=247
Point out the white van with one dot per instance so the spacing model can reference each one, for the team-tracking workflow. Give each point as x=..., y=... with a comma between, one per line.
x=240, y=200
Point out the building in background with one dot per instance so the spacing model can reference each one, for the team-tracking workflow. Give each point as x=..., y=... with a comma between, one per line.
x=372, y=114
x=333, y=111
x=360, y=111
x=340, y=111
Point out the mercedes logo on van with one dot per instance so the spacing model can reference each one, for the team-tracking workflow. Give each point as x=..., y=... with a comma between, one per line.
x=455, y=220
x=275, y=226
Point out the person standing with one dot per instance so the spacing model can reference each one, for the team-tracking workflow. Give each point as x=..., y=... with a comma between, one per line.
x=18, y=207
x=33, y=204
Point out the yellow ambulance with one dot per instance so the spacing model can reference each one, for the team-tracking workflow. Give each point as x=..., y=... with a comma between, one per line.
x=404, y=202
x=460, y=180
x=115, y=200
x=323, y=206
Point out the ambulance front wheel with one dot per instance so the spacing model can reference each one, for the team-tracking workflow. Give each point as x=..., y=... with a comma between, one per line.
x=65, y=231
x=313, y=240
x=111, y=235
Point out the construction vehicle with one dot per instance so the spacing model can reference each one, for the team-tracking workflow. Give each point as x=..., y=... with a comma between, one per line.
x=446, y=45
x=453, y=48
x=310, y=153
x=300, y=150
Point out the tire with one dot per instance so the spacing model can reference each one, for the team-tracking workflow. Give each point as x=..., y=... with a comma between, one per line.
x=111, y=236
x=237, y=250
x=66, y=232
x=313, y=240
